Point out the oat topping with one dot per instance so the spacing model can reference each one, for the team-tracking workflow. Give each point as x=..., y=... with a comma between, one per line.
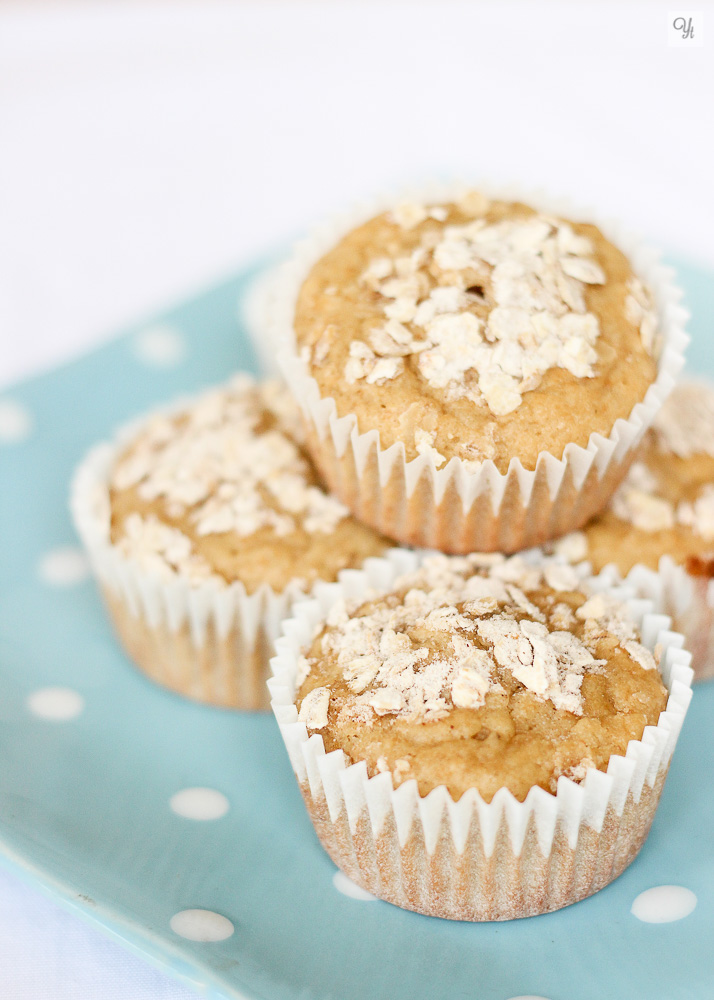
x=685, y=424
x=562, y=617
x=364, y=364
x=424, y=443
x=640, y=311
x=452, y=631
x=604, y=615
x=638, y=502
x=303, y=670
x=230, y=462
x=576, y=773
x=408, y=214
x=560, y=577
x=399, y=771
x=162, y=550
x=482, y=310
x=313, y=711
x=573, y=548
x=699, y=514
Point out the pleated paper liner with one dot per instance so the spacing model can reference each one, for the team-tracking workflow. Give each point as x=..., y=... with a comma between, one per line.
x=452, y=509
x=255, y=309
x=468, y=859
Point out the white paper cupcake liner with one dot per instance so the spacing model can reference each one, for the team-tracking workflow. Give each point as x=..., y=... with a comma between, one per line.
x=209, y=642
x=255, y=309
x=468, y=859
x=452, y=509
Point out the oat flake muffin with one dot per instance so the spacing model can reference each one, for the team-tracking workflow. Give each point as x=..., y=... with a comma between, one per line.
x=665, y=509
x=216, y=510
x=473, y=680
x=473, y=334
x=485, y=693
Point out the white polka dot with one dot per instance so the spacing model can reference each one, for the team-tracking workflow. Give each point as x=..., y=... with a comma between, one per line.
x=56, y=703
x=529, y=996
x=160, y=346
x=15, y=422
x=63, y=566
x=349, y=888
x=199, y=803
x=664, y=903
x=201, y=925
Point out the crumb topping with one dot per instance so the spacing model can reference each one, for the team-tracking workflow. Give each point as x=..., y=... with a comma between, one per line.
x=576, y=772
x=637, y=501
x=573, y=548
x=163, y=550
x=229, y=463
x=640, y=311
x=484, y=309
x=424, y=444
x=313, y=711
x=459, y=629
x=685, y=424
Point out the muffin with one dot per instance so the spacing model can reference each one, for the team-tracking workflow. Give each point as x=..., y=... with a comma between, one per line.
x=475, y=373
x=662, y=516
x=480, y=739
x=202, y=525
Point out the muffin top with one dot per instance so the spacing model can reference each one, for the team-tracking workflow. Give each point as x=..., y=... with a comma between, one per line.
x=479, y=330
x=224, y=491
x=665, y=506
x=480, y=672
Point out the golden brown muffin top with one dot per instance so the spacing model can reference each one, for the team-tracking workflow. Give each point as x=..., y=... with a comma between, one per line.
x=478, y=329
x=665, y=506
x=478, y=672
x=223, y=491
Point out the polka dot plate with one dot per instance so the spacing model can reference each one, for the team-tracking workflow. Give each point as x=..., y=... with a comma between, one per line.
x=159, y=819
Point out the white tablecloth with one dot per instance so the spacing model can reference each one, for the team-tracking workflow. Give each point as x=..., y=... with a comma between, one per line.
x=148, y=149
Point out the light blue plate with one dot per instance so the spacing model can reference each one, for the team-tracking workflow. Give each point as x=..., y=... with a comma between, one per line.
x=84, y=803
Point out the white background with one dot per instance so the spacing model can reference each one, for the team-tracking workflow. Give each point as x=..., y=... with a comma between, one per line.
x=148, y=149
